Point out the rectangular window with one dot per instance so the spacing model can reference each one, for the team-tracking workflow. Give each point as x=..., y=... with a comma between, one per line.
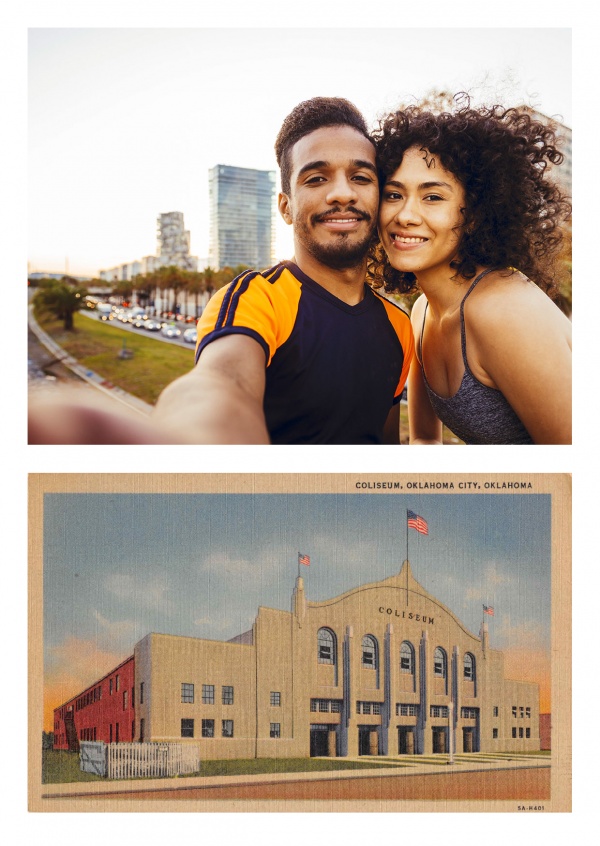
x=125, y=694
x=227, y=695
x=468, y=713
x=275, y=699
x=118, y=683
x=514, y=711
x=208, y=694
x=439, y=711
x=227, y=728
x=275, y=730
x=514, y=732
x=521, y=712
x=208, y=728
x=187, y=727
x=187, y=692
x=110, y=687
x=528, y=713
x=521, y=732
x=495, y=711
x=116, y=733
x=495, y=734
x=336, y=706
x=407, y=710
x=325, y=656
x=528, y=732
x=141, y=693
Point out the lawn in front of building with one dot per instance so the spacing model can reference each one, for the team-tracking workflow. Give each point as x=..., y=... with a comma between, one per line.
x=60, y=767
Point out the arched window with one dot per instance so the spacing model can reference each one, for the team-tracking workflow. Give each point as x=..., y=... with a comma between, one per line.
x=439, y=663
x=326, y=651
x=369, y=652
x=407, y=658
x=469, y=667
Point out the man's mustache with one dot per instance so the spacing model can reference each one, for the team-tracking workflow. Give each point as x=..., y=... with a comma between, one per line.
x=363, y=215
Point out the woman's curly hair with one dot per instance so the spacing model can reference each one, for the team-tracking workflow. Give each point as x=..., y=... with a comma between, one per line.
x=500, y=156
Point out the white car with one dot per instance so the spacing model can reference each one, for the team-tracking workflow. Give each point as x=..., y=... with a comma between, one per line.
x=190, y=336
x=171, y=331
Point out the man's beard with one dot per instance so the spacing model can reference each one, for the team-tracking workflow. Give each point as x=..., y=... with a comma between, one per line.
x=340, y=254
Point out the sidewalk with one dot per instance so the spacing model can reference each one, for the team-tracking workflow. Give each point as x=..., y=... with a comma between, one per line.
x=88, y=376
x=398, y=766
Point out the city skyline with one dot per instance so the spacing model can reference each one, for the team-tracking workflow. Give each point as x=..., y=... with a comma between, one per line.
x=118, y=566
x=104, y=158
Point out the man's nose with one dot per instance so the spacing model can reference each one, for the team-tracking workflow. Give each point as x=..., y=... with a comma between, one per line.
x=342, y=191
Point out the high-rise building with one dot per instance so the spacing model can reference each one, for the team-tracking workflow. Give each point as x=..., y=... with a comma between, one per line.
x=173, y=248
x=242, y=217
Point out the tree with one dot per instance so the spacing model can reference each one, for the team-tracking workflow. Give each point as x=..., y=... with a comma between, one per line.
x=196, y=286
x=60, y=297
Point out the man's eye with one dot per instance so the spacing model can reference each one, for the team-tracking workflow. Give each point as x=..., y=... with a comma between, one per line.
x=313, y=179
x=360, y=177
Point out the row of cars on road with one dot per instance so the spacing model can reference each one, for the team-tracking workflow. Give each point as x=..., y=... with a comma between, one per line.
x=169, y=326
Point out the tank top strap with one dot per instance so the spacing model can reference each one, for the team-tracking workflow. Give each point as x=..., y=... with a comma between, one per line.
x=463, y=334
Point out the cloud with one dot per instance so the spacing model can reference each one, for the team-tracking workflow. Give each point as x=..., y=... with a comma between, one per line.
x=140, y=591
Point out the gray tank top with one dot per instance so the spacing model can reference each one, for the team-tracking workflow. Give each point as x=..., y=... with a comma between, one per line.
x=477, y=414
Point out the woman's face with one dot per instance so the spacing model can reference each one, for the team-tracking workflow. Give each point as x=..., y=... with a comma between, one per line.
x=420, y=217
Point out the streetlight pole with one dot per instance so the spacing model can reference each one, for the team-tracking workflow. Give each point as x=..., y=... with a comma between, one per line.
x=450, y=732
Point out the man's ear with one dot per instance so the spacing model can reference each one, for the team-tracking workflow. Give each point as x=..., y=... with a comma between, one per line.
x=285, y=208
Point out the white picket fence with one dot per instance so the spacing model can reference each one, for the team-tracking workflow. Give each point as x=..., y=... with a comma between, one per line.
x=140, y=760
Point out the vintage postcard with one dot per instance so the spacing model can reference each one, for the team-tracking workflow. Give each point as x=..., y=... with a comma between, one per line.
x=300, y=642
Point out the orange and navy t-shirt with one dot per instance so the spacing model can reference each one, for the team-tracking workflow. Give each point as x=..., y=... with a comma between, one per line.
x=333, y=370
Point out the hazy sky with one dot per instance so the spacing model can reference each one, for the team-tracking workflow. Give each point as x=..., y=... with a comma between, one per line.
x=124, y=124
x=117, y=566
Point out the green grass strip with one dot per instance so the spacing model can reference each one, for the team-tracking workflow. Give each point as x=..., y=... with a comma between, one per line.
x=96, y=345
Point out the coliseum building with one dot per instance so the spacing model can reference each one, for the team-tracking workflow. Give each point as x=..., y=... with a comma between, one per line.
x=383, y=669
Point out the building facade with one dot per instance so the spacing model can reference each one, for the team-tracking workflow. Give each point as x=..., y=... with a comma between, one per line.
x=173, y=249
x=383, y=669
x=242, y=217
x=104, y=711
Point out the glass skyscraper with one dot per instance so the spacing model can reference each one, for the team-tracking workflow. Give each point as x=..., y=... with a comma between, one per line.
x=242, y=217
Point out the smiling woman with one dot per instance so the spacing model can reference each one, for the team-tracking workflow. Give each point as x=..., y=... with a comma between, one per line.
x=470, y=215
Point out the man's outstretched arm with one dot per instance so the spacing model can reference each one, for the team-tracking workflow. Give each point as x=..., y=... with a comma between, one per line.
x=220, y=401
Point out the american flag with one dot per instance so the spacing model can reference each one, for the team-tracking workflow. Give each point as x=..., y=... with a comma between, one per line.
x=416, y=522
x=303, y=559
x=488, y=609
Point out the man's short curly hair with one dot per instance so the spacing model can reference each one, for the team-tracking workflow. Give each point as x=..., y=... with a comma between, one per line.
x=500, y=156
x=305, y=118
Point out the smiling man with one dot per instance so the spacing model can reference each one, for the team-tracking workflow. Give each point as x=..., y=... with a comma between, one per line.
x=304, y=352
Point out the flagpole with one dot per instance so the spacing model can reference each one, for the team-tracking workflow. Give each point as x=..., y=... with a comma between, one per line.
x=407, y=557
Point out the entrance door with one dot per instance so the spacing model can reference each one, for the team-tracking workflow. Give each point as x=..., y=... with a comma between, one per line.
x=439, y=737
x=368, y=740
x=318, y=743
x=406, y=740
x=468, y=740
